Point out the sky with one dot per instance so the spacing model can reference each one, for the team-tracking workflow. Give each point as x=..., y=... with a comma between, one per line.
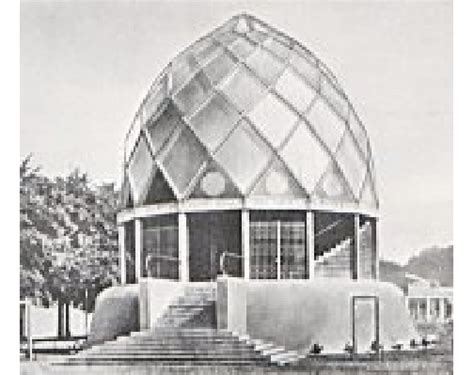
x=85, y=67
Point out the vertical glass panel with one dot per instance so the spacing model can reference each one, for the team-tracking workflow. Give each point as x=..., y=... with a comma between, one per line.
x=126, y=194
x=242, y=47
x=279, y=48
x=219, y=68
x=293, y=250
x=332, y=186
x=263, y=250
x=277, y=181
x=130, y=275
x=132, y=136
x=265, y=65
x=305, y=156
x=193, y=93
x=244, y=90
x=184, y=159
x=257, y=36
x=140, y=169
x=366, y=261
x=274, y=119
x=243, y=155
x=334, y=97
x=327, y=124
x=215, y=182
x=182, y=70
x=214, y=121
x=351, y=163
x=160, y=248
x=359, y=132
x=161, y=129
x=307, y=69
x=295, y=91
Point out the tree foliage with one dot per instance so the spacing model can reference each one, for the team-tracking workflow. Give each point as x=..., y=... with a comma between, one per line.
x=68, y=236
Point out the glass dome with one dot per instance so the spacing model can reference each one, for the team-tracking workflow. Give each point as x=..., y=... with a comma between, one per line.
x=244, y=112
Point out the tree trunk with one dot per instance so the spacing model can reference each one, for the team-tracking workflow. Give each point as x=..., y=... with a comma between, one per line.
x=67, y=330
x=60, y=318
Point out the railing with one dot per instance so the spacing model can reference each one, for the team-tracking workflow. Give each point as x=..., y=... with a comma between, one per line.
x=157, y=260
x=229, y=269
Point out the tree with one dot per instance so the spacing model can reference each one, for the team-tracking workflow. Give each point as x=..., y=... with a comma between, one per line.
x=68, y=239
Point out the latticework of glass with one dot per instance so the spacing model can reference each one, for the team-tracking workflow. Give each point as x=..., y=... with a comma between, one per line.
x=247, y=111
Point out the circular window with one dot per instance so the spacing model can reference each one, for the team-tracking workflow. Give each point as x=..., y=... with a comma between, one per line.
x=276, y=183
x=213, y=184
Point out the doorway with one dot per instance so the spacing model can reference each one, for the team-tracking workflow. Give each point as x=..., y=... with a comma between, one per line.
x=211, y=235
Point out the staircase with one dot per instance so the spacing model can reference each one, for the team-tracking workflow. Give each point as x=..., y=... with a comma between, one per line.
x=185, y=334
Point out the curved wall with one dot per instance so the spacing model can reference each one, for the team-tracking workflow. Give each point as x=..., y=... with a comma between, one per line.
x=116, y=313
x=299, y=314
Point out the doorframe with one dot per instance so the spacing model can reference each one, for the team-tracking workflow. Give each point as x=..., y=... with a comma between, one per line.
x=376, y=304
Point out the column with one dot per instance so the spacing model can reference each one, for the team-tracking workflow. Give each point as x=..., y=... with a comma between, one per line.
x=122, y=252
x=356, y=248
x=375, y=248
x=310, y=243
x=138, y=248
x=245, y=231
x=442, y=309
x=428, y=309
x=183, y=248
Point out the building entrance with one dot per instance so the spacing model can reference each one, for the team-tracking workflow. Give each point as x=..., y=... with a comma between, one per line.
x=278, y=247
x=210, y=236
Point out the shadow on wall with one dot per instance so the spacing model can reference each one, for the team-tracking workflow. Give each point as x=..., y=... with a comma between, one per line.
x=299, y=314
x=116, y=313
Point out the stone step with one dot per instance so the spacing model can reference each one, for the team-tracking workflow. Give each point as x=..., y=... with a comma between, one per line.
x=172, y=351
x=172, y=357
x=163, y=363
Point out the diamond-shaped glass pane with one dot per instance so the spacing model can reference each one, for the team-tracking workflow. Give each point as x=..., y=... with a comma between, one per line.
x=257, y=36
x=326, y=123
x=220, y=67
x=244, y=90
x=159, y=190
x=265, y=65
x=193, y=93
x=132, y=136
x=214, y=121
x=227, y=38
x=295, y=91
x=206, y=50
x=244, y=155
x=334, y=97
x=161, y=129
x=242, y=47
x=305, y=156
x=332, y=186
x=140, y=169
x=273, y=118
x=182, y=70
x=359, y=132
x=280, y=49
x=155, y=97
x=368, y=196
x=307, y=69
x=214, y=182
x=277, y=181
x=184, y=159
x=351, y=163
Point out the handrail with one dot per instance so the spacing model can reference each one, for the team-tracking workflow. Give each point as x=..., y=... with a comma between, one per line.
x=149, y=257
x=222, y=260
